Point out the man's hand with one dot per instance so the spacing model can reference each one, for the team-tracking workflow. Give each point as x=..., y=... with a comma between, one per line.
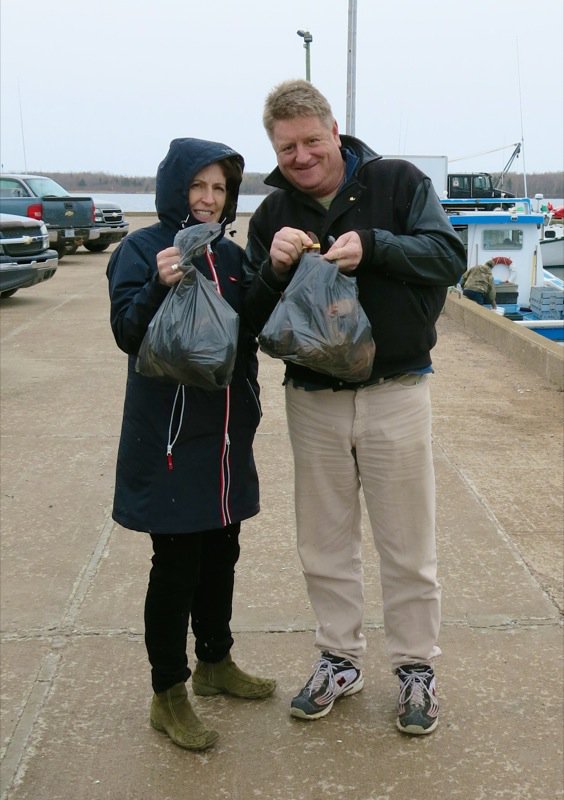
x=346, y=252
x=287, y=247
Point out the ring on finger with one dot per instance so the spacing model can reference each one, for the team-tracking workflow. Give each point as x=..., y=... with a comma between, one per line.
x=174, y=267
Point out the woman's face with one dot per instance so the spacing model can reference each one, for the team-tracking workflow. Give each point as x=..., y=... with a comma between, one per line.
x=207, y=194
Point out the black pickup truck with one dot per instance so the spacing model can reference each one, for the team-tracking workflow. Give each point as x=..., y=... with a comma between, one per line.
x=70, y=220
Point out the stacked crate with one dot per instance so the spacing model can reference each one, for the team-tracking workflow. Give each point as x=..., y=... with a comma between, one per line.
x=506, y=294
x=547, y=302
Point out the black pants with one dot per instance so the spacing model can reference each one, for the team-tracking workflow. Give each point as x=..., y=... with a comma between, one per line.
x=191, y=580
x=477, y=297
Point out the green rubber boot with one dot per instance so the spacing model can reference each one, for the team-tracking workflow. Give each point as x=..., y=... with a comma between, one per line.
x=172, y=714
x=225, y=677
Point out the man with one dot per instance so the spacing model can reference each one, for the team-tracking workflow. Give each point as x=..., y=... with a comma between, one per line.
x=478, y=284
x=382, y=223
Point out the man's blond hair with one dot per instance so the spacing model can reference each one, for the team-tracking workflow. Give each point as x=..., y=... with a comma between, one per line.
x=295, y=98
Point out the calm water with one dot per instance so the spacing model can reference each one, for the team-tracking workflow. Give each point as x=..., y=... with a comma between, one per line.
x=146, y=202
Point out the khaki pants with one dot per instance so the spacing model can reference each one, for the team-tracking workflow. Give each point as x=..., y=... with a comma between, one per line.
x=377, y=438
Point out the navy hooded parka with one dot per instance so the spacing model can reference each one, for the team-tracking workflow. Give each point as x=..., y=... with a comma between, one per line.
x=213, y=480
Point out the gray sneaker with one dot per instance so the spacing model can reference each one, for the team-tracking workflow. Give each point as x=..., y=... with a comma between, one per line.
x=418, y=707
x=331, y=678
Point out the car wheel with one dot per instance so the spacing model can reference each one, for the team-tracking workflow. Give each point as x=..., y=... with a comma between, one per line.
x=96, y=247
x=7, y=293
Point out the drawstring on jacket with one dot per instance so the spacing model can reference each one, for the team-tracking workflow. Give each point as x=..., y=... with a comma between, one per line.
x=170, y=444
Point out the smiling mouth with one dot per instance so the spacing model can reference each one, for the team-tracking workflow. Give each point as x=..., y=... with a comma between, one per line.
x=306, y=169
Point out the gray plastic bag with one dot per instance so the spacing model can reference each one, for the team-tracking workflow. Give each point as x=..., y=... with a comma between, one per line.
x=320, y=324
x=192, y=338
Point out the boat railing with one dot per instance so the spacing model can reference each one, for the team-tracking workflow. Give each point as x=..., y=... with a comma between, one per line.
x=521, y=204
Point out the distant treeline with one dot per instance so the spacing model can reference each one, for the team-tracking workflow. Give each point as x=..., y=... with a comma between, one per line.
x=102, y=182
x=550, y=184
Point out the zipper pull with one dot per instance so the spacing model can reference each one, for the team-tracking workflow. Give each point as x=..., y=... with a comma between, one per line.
x=169, y=463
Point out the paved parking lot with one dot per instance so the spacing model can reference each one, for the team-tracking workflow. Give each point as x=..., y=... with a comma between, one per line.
x=75, y=683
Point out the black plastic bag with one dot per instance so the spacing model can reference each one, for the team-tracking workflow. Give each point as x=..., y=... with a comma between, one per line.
x=320, y=324
x=192, y=338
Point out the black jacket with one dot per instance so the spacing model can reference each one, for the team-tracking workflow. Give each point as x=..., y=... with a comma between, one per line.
x=411, y=254
x=213, y=481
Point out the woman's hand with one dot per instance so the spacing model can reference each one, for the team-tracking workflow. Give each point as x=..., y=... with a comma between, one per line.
x=167, y=265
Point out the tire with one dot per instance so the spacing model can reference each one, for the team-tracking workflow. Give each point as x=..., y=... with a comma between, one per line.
x=7, y=293
x=96, y=247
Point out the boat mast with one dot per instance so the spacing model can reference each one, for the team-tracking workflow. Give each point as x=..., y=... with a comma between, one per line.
x=351, y=70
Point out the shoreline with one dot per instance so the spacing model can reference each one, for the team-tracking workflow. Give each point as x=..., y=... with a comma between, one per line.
x=141, y=219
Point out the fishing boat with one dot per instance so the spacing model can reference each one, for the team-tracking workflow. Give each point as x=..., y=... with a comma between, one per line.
x=526, y=292
x=552, y=245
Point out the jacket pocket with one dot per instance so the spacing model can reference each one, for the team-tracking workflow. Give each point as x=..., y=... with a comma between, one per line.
x=431, y=301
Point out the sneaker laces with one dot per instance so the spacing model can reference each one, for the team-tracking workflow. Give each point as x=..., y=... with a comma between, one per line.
x=414, y=689
x=323, y=671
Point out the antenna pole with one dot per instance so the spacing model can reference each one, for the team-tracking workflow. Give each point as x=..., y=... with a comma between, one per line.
x=22, y=128
x=521, y=113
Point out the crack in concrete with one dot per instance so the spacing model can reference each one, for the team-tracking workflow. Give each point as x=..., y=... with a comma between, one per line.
x=17, y=753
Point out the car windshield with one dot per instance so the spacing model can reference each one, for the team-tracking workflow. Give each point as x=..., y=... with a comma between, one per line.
x=45, y=187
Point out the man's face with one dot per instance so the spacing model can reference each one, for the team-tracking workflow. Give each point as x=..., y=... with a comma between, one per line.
x=308, y=154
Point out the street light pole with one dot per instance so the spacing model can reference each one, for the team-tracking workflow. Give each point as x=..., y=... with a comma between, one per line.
x=351, y=69
x=308, y=39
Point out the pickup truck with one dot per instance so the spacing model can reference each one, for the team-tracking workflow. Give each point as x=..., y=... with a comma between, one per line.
x=473, y=184
x=69, y=219
x=473, y=187
x=25, y=257
x=110, y=224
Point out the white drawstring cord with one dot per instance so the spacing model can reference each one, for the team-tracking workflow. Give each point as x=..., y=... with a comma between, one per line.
x=170, y=444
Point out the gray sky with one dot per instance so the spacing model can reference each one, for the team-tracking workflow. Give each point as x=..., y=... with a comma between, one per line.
x=106, y=85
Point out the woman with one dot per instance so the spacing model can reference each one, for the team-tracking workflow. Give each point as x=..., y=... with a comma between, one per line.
x=185, y=469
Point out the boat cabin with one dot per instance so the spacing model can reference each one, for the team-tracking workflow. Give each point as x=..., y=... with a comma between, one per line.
x=511, y=234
